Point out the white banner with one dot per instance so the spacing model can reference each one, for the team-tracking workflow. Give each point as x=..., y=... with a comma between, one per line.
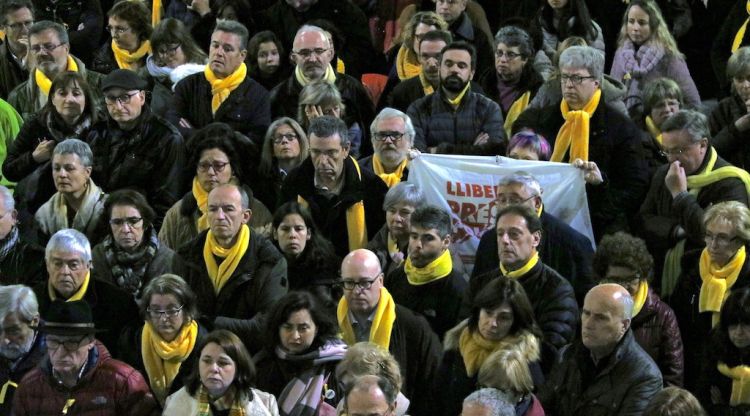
x=465, y=187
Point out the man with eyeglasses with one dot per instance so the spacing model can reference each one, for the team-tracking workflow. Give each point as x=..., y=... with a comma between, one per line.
x=561, y=247
x=312, y=54
x=464, y=29
x=696, y=177
x=392, y=135
x=79, y=374
x=49, y=55
x=17, y=17
x=135, y=148
x=589, y=133
x=345, y=199
x=368, y=313
x=21, y=346
x=224, y=92
x=456, y=119
x=68, y=261
x=518, y=231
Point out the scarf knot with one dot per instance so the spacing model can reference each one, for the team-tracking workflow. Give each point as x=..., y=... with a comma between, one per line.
x=717, y=281
x=382, y=323
x=45, y=83
x=222, y=87
x=163, y=359
x=436, y=270
x=129, y=60
x=329, y=76
x=129, y=268
x=220, y=274
x=390, y=179
x=574, y=133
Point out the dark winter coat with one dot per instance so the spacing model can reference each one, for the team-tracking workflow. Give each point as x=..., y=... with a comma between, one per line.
x=463, y=29
x=721, y=49
x=11, y=74
x=24, y=264
x=83, y=19
x=730, y=143
x=15, y=372
x=104, y=59
x=409, y=90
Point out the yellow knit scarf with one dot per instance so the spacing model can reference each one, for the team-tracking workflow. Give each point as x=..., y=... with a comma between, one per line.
x=329, y=76
x=574, y=133
x=436, y=270
x=4, y=390
x=407, y=66
x=382, y=322
x=717, y=281
x=221, y=88
x=640, y=297
x=475, y=349
x=515, y=110
x=157, y=11
x=711, y=175
x=162, y=359
x=653, y=130
x=393, y=250
x=740, y=376
x=426, y=86
x=741, y=32
x=340, y=66
x=455, y=102
x=45, y=83
x=201, y=198
x=236, y=408
x=76, y=296
x=390, y=179
x=220, y=274
x=515, y=274
x=127, y=60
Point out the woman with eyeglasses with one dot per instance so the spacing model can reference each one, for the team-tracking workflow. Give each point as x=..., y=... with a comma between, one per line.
x=285, y=147
x=501, y=319
x=708, y=277
x=623, y=259
x=164, y=348
x=730, y=120
x=70, y=111
x=129, y=27
x=321, y=98
x=302, y=349
x=78, y=202
x=216, y=161
x=646, y=51
x=131, y=254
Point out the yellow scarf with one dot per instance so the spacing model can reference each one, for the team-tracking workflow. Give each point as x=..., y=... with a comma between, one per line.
x=741, y=32
x=356, y=227
x=640, y=298
x=574, y=133
x=221, y=88
x=340, y=66
x=382, y=322
x=45, y=83
x=329, y=76
x=653, y=130
x=127, y=60
x=717, y=281
x=236, y=407
x=4, y=390
x=436, y=270
x=393, y=251
x=740, y=376
x=76, y=296
x=390, y=179
x=406, y=66
x=523, y=270
x=426, y=86
x=457, y=101
x=515, y=110
x=711, y=175
x=475, y=349
x=220, y=274
x=162, y=359
x=201, y=198
x=157, y=11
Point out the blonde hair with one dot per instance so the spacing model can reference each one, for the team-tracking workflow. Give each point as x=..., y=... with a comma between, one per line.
x=365, y=358
x=731, y=212
x=506, y=369
x=659, y=30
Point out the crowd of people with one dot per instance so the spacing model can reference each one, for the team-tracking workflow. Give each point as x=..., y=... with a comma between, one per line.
x=206, y=209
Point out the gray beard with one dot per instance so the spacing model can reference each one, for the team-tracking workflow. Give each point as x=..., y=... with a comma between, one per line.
x=14, y=352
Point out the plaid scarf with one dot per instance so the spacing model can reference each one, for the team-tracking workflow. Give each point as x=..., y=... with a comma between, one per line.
x=129, y=268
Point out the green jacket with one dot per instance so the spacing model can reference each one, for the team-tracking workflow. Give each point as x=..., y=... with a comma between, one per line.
x=10, y=124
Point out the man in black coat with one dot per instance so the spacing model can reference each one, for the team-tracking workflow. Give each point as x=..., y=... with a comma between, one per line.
x=312, y=53
x=367, y=312
x=17, y=17
x=614, y=167
x=345, y=199
x=606, y=372
x=519, y=232
x=463, y=29
x=562, y=248
x=244, y=105
x=20, y=262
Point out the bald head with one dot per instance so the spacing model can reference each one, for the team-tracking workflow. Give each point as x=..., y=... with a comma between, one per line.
x=363, y=279
x=370, y=395
x=616, y=295
x=312, y=51
x=605, y=319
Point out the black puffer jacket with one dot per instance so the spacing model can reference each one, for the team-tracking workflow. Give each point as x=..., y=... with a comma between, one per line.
x=622, y=384
x=150, y=158
x=551, y=296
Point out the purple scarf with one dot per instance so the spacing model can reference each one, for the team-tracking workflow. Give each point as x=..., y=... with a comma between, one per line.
x=637, y=65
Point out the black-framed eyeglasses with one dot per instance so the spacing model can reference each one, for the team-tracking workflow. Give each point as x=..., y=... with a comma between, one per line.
x=382, y=136
x=122, y=99
x=169, y=313
x=47, y=47
x=677, y=151
x=218, y=166
x=290, y=137
x=575, y=79
x=306, y=53
x=116, y=30
x=363, y=283
x=131, y=221
x=168, y=50
x=21, y=25
x=69, y=345
x=512, y=200
x=720, y=240
x=510, y=55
